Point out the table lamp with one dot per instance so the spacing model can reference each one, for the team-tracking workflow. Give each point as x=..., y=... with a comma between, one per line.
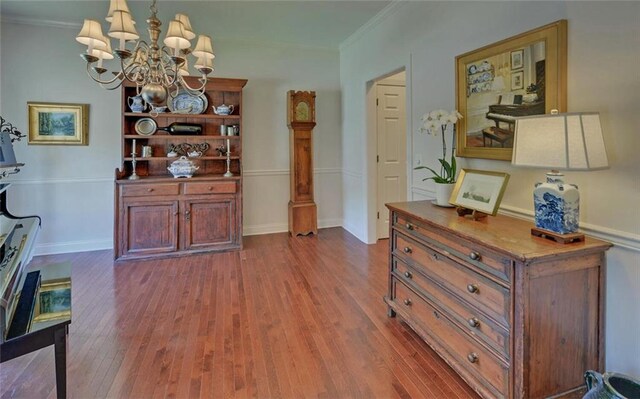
x=568, y=141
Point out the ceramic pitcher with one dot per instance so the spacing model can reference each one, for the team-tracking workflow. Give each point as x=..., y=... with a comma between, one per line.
x=136, y=103
x=610, y=386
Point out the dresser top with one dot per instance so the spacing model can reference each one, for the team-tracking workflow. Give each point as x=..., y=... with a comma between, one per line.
x=501, y=233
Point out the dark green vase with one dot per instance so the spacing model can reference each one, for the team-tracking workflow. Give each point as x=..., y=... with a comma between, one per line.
x=611, y=386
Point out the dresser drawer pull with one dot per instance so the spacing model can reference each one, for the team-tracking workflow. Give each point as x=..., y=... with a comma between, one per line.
x=407, y=302
x=473, y=322
x=409, y=226
x=210, y=188
x=408, y=274
x=436, y=314
x=150, y=190
x=474, y=255
x=472, y=288
x=472, y=357
x=407, y=250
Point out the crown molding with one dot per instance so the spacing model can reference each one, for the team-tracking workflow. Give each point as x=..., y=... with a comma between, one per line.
x=11, y=19
x=389, y=10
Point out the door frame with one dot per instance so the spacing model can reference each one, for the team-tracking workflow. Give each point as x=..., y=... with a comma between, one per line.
x=372, y=147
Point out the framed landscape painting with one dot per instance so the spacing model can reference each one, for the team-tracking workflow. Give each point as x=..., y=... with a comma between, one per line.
x=54, y=123
x=479, y=190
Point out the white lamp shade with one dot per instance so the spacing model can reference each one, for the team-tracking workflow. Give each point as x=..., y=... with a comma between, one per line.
x=103, y=51
x=176, y=37
x=571, y=141
x=204, y=48
x=203, y=63
x=186, y=24
x=116, y=5
x=91, y=33
x=122, y=26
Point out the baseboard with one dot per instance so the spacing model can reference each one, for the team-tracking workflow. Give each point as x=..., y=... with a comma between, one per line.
x=72, y=246
x=270, y=228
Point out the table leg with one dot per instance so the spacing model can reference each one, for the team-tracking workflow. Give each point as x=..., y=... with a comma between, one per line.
x=60, y=346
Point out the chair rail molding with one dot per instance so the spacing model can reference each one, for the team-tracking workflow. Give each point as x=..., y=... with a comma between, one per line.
x=618, y=238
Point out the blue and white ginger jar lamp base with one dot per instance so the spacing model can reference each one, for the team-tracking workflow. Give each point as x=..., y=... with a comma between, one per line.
x=557, y=205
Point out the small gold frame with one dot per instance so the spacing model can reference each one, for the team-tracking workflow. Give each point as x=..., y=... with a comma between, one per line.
x=57, y=123
x=52, y=290
x=479, y=190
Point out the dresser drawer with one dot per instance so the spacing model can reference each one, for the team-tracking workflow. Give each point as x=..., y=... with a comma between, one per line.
x=212, y=187
x=467, y=251
x=484, y=368
x=136, y=190
x=472, y=321
x=478, y=291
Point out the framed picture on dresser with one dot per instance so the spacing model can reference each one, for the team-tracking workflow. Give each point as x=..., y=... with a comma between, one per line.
x=479, y=190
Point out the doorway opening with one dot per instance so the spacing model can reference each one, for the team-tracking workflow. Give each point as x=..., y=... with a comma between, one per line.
x=387, y=118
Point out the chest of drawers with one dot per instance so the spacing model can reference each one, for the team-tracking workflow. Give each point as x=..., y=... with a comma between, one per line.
x=516, y=316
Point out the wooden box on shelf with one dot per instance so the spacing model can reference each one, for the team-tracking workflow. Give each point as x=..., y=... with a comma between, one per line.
x=159, y=215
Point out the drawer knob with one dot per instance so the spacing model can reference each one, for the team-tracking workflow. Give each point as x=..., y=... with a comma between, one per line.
x=407, y=302
x=408, y=274
x=409, y=226
x=474, y=255
x=407, y=250
x=473, y=322
x=150, y=190
x=210, y=188
x=472, y=288
x=472, y=357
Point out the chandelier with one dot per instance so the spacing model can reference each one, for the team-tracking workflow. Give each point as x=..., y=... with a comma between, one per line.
x=157, y=71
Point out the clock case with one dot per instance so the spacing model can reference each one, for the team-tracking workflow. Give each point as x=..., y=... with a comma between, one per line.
x=301, y=115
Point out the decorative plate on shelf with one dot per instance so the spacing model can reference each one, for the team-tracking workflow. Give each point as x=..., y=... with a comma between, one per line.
x=145, y=126
x=197, y=104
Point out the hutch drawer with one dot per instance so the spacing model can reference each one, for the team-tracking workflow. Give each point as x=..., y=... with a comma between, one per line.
x=212, y=187
x=139, y=190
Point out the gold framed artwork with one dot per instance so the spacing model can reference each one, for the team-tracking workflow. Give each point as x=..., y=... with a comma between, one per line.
x=53, y=301
x=522, y=75
x=479, y=190
x=58, y=123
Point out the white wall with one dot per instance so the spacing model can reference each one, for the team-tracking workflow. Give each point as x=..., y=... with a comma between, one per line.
x=603, y=76
x=72, y=187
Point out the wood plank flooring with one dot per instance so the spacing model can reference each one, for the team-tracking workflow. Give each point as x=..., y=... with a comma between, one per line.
x=284, y=318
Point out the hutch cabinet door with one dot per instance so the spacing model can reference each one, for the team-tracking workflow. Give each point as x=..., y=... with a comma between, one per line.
x=149, y=227
x=210, y=222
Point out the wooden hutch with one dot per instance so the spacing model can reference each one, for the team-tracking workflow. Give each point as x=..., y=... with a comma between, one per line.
x=159, y=215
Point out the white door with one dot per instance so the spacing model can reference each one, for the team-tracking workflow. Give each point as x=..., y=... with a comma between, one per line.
x=392, y=151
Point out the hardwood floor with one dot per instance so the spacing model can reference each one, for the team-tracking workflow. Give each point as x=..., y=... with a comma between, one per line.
x=284, y=318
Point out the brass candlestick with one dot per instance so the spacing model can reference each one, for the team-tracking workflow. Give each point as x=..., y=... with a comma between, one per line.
x=133, y=176
x=228, y=173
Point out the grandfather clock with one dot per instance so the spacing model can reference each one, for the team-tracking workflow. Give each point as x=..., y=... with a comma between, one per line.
x=301, y=119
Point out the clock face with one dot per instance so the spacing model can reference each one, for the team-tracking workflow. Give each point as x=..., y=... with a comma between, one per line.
x=302, y=111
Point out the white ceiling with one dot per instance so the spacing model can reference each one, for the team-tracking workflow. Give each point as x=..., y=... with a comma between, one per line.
x=304, y=22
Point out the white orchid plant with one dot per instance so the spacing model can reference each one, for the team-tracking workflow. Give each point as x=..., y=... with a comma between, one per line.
x=431, y=123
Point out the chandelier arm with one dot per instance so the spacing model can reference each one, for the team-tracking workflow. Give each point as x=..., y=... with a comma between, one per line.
x=194, y=90
x=104, y=83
